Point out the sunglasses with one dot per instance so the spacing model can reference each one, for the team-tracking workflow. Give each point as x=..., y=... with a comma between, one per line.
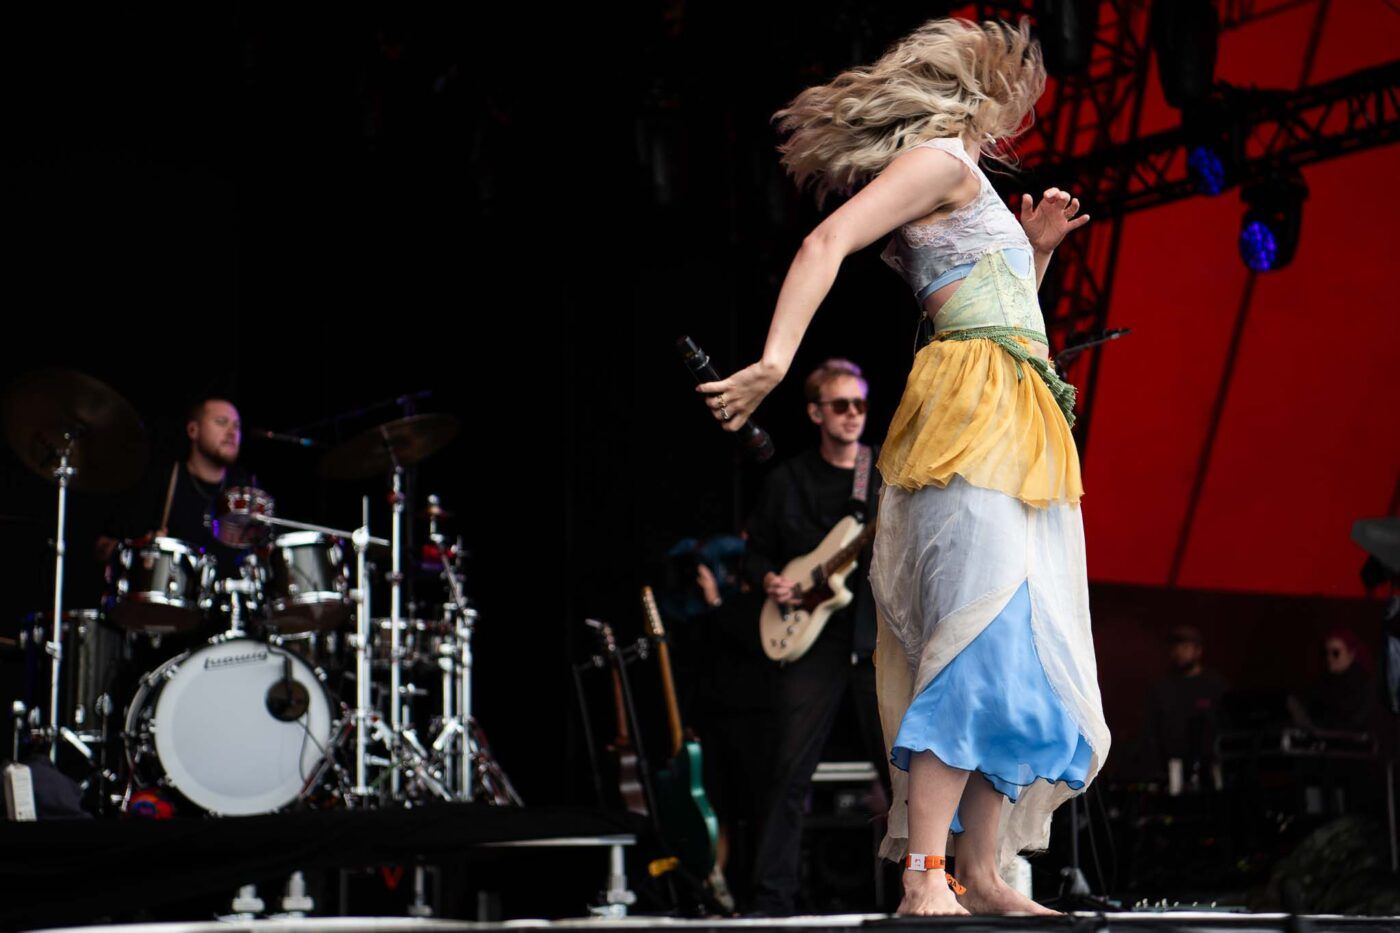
x=842, y=405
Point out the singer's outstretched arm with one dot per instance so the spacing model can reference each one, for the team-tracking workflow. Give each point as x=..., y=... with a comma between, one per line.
x=914, y=185
x=1047, y=223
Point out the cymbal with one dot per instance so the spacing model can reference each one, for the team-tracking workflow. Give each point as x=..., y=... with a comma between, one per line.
x=411, y=439
x=110, y=449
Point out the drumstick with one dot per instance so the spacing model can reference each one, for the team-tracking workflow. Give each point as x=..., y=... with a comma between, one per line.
x=169, y=497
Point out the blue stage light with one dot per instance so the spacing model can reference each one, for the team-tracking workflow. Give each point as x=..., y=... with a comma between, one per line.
x=1207, y=170
x=1258, y=246
x=1273, y=220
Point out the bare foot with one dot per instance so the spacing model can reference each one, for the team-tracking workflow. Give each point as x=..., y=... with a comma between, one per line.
x=994, y=896
x=926, y=893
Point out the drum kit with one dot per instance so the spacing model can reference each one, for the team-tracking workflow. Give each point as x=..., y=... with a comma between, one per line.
x=303, y=697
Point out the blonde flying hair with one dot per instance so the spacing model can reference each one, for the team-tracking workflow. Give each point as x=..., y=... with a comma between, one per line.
x=950, y=77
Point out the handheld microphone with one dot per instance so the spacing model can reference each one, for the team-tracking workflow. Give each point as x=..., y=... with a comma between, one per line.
x=753, y=439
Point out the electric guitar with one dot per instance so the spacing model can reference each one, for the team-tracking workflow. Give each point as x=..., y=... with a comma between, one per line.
x=629, y=776
x=687, y=820
x=788, y=631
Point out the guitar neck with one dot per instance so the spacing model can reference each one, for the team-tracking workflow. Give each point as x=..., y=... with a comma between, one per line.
x=668, y=682
x=673, y=707
x=624, y=736
x=843, y=558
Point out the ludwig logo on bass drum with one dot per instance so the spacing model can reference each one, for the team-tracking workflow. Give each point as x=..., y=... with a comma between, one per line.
x=233, y=660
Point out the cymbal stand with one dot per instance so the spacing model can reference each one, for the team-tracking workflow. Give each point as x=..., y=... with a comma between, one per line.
x=459, y=741
x=360, y=538
x=63, y=474
x=395, y=615
x=395, y=611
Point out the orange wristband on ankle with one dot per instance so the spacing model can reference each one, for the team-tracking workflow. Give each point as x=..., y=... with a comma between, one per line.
x=916, y=861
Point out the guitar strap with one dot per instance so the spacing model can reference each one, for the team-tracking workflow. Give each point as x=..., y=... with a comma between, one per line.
x=860, y=489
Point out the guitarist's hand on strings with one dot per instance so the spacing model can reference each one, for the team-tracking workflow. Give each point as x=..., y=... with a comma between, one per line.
x=779, y=589
x=733, y=400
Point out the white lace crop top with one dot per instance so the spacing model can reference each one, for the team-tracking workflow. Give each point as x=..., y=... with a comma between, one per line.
x=929, y=256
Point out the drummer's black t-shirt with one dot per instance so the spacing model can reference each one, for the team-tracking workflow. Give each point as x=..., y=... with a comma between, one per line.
x=192, y=511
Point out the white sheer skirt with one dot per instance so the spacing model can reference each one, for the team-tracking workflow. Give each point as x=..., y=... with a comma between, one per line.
x=946, y=561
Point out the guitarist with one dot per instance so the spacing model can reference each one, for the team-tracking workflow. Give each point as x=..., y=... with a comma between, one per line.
x=802, y=498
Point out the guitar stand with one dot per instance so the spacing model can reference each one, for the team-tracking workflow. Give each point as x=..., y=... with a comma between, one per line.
x=683, y=889
x=599, y=662
x=628, y=654
x=621, y=656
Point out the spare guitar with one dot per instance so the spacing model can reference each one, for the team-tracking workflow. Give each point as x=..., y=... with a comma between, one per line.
x=626, y=764
x=687, y=820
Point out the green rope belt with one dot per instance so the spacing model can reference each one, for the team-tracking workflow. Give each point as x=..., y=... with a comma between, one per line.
x=1002, y=335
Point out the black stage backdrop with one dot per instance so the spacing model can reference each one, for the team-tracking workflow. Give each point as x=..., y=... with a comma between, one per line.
x=516, y=210
x=519, y=213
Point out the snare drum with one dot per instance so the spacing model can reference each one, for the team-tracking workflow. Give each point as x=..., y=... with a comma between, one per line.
x=307, y=588
x=163, y=586
x=213, y=724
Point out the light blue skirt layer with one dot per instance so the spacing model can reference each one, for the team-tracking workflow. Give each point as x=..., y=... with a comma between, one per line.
x=991, y=710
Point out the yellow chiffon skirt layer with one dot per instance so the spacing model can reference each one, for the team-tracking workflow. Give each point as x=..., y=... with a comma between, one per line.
x=971, y=409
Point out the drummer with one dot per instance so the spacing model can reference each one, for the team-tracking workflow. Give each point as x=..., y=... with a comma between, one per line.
x=181, y=500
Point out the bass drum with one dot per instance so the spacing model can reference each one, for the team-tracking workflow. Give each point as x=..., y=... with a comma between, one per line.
x=222, y=725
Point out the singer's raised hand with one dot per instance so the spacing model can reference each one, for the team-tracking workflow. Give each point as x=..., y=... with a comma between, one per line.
x=732, y=401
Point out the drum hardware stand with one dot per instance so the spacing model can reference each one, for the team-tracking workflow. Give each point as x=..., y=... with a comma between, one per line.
x=409, y=757
x=343, y=727
x=107, y=779
x=98, y=775
x=63, y=474
x=417, y=760
x=457, y=660
x=419, y=763
x=491, y=781
x=395, y=607
x=459, y=740
x=394, y=738
x=363, y=714
x=237, y=589
x=276, y=522
x=361, y=541
x=54, y=733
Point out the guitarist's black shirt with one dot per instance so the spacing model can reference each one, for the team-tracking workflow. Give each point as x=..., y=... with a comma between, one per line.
x=801, y=499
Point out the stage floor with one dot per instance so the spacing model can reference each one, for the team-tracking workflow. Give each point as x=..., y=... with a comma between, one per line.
x=475, y=860
x=1179, y=921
